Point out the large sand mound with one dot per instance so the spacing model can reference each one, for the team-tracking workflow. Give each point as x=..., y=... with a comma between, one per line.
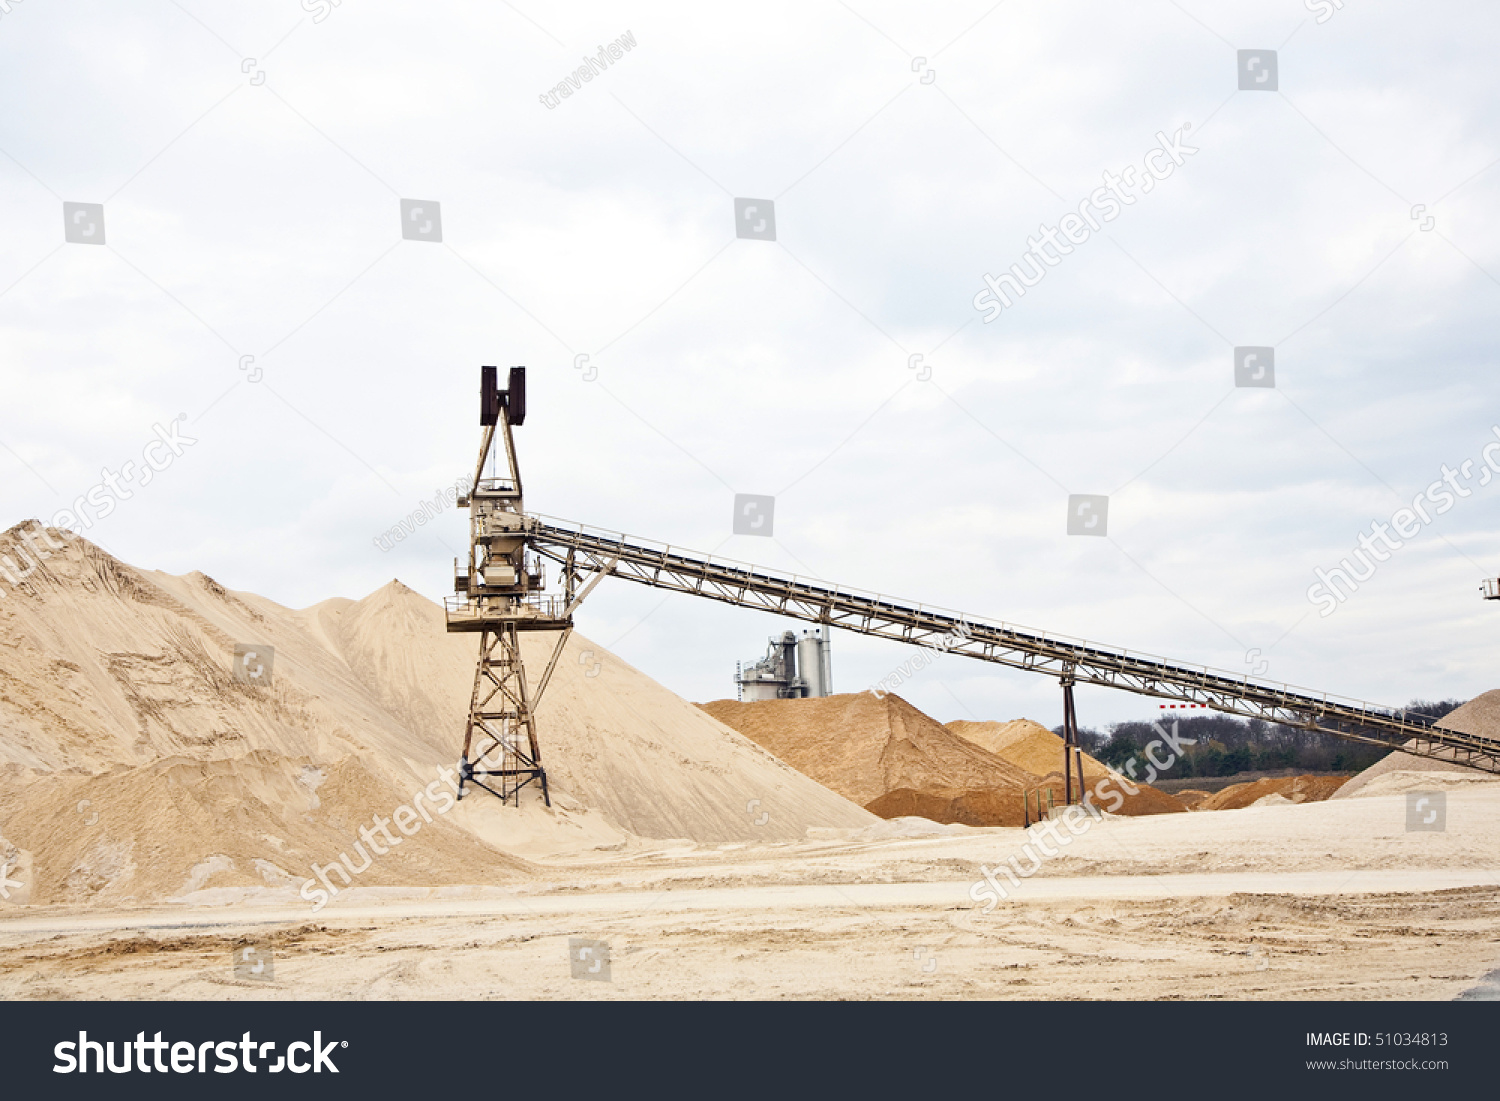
x=611, y=737
x=1400, y=782
x=1480, y=717
x=660, y=767
x=863, y=747
x=900, y=762
x=116, y=689
x=228, y=828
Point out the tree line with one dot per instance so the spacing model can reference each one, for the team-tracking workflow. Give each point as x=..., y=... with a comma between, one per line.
x=1225, y=745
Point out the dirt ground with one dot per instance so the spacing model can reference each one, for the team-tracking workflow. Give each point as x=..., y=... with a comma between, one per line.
x=162, y=821
x=1326, y=900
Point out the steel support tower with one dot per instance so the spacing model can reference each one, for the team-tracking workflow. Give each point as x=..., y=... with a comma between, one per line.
x=499, y=596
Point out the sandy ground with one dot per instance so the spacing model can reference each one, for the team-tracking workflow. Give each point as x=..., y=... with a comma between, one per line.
x=159, y=813
x=1326, y=900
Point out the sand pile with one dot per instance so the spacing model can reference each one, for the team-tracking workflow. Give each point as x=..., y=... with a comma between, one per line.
x=116, y=689
x=660, y=767
x=899, y=762
x=233, y=828
x=1191, y=797
x=1274, y=800
x=108, y=665
x=863, y=747
x=1114, y=797
x=1480, y=717
x=1031, y=746
x=1289, y=789
x=611, y=737
x=952, y=807
x=1399, y=782
x=1025, y=744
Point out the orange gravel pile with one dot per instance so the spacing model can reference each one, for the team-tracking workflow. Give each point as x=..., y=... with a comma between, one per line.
x=1025, y=744
x=863, y=747
x=896, y=761
x=1296, y=789
x=948, y=805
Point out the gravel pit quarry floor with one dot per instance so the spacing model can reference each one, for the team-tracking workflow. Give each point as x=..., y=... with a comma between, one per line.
x=1334, y=900
x=160, y=817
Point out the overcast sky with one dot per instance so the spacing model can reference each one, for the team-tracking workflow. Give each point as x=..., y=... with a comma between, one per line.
x=251, y=159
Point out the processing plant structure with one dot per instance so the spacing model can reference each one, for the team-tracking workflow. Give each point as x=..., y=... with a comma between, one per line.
x=793, y=669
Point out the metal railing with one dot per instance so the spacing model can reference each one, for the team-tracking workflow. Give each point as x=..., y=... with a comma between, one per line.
x=480, y=609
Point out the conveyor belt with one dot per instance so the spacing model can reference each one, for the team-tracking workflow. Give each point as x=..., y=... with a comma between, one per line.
x=663, y=567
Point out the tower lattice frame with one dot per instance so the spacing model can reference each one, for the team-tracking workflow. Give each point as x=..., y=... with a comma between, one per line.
x=500, y=594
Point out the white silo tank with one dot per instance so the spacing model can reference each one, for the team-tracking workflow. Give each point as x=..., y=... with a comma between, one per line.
x=810, y=664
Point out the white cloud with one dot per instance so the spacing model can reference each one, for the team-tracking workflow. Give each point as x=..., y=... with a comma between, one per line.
x=262, y=220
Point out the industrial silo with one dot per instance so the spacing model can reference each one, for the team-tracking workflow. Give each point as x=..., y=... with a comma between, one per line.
x=810, y=663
